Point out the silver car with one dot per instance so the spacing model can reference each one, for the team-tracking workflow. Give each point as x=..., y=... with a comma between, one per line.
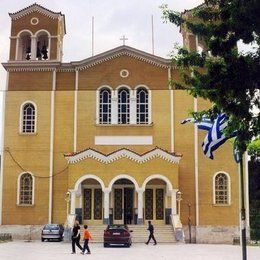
x=52, y=231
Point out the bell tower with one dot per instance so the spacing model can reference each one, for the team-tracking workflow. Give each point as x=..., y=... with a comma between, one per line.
x=36, y=34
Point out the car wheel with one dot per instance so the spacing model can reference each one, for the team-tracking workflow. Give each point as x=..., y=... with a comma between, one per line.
x=42, y=239
x=105, y=245
x=127, y=245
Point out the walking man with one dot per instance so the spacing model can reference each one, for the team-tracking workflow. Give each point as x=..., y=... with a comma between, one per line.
x=151, y=236
x=76, y=237
x=86, y=237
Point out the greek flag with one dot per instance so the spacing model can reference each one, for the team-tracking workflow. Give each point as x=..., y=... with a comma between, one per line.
x=215, y=135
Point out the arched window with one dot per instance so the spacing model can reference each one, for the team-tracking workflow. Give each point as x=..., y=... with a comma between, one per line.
x=24, y=46
x=28, y=120
x=105, y=106
x=123, y=106
x=25, y=189
x=221, y=189
x=142, y=107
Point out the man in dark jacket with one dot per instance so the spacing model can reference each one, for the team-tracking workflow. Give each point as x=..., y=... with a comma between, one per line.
x=151, y=236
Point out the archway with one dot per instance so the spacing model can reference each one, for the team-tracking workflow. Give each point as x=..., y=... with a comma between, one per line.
x=123, y=200
x=157, y=204
x=90, y=199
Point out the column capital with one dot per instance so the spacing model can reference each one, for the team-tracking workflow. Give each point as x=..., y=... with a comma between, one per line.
x=72, y=191
x=140, y=190
x=106, y=190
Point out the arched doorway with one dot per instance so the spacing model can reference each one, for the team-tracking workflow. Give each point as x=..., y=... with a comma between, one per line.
x=123, y=201
x=157, y=203
x=90, y=200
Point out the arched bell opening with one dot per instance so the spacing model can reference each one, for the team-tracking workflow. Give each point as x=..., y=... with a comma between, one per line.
x=24, y=46
x=43, y=46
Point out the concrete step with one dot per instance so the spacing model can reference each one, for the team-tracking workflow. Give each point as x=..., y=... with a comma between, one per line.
x=163, y=233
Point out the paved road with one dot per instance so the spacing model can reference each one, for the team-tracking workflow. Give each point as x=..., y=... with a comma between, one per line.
x=20, y=250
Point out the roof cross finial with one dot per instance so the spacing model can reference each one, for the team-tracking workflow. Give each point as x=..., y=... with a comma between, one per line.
x=123, y=39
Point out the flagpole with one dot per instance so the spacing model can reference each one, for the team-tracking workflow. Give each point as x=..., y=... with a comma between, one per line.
x=243, y=212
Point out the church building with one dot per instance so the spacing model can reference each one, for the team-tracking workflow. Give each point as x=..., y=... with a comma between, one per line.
x=100, y=139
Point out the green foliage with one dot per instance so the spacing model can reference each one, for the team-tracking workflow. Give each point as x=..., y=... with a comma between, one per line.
x=254, y=148
x=220, y=74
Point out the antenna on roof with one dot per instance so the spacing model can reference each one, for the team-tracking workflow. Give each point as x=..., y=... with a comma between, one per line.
x=152, y=35
x=92, y=25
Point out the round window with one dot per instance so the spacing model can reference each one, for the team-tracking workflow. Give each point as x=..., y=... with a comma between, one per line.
x=124, y=73
x=34, y=21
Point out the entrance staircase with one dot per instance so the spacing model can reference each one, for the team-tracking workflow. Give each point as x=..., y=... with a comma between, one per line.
x=162, y=233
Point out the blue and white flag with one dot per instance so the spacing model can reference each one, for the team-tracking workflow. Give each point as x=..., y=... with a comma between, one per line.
x=204, y=124
x=215, y=136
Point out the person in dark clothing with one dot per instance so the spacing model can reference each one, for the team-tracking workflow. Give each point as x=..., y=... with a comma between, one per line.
x=151, y=236
x=75, y=237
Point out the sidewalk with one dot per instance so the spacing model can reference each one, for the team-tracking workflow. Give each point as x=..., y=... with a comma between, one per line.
x=36, y=250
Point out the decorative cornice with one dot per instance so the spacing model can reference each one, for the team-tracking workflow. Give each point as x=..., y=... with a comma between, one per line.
x=89, y=62
x=123, y=153
x=18, y=66
x=122, y=51
x=35, y=8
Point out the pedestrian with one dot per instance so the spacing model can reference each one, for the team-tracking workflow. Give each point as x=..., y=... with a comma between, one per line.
x=86, y=237
x=75, y=237
x=151, y=236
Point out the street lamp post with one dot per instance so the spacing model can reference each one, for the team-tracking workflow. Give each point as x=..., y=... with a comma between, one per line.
x=67, y=231
x=179, y=198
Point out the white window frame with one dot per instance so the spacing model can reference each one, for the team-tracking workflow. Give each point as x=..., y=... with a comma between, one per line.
x=21, y=118
x=132, y=104
x=146, y=115
x=18, y=189
x=100, y=110
x=98, y=103
x=228, y=186
x=127, y=104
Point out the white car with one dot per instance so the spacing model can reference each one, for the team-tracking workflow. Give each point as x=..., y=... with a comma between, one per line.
x=52, y=231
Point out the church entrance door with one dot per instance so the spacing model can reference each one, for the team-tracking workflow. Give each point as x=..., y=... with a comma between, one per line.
x=123, y=205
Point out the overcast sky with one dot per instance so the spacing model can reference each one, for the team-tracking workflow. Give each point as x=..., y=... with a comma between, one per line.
x=113, y=19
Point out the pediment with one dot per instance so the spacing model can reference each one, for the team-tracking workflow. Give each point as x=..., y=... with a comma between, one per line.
x=116, y=53
x=123, y=153
x=35, y=8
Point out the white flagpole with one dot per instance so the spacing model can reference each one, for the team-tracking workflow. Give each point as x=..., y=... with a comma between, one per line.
x=92, y=35
x=152, y=36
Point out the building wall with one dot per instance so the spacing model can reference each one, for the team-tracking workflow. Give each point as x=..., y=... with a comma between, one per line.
x=32, y=152
x=37, y=146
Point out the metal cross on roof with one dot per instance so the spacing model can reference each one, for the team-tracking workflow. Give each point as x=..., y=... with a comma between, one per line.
x=123, y=39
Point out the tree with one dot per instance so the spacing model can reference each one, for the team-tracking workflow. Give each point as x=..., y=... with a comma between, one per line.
x=221, y=74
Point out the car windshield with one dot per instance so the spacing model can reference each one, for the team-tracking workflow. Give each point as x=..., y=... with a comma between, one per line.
x=51, y=227
x=117, y=227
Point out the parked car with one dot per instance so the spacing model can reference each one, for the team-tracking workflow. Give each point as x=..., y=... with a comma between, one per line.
x=117, y=235
x=52, y=231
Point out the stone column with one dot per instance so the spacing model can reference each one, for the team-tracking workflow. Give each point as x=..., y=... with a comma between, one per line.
x=114, y=108
x=174, y=202
x=33, y=47
x=133, y=107
x=140, y=219
x=106, y=206
x=72, y=201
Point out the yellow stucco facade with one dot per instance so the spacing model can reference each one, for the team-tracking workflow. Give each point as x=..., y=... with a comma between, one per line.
x=67, y=104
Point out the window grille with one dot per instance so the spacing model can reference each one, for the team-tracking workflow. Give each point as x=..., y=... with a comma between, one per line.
x=123, y=106
x=28, y=120
x=26, y=189
x=221, y=189
x=105, y=106
x=142, y=106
